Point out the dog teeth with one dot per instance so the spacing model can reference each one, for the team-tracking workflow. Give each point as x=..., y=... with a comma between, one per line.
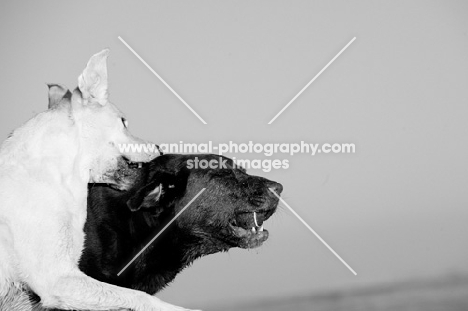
x=140, y=165
x=255, y=219
x=257, y=227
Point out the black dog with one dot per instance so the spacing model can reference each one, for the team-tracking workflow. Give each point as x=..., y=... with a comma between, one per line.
x=120, y=223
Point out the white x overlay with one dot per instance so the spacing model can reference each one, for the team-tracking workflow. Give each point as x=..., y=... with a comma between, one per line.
x=162, y=80
x=272, y=120
x=313, y=231
x=313, y=79
x=160, y=232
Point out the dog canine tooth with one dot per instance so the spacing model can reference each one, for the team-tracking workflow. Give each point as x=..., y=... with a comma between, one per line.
x=261, y=229
x=140, y=165
x=254, y=230
x=255, y=219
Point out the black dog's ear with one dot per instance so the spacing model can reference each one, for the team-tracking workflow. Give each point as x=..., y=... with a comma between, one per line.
x=146, y=197
x=57, y=94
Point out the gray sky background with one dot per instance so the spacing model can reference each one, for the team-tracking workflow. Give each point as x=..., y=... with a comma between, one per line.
x=396, y=209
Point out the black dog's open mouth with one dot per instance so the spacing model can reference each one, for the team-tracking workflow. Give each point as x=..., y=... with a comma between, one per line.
x=248, y=228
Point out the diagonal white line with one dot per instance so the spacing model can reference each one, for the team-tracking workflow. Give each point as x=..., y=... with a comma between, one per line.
x=159, y=233
x=313, y=79
x=312, y=230
x=161, y=79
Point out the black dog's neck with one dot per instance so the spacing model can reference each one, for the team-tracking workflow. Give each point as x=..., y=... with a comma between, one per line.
x=164, y=258
x=121, y=234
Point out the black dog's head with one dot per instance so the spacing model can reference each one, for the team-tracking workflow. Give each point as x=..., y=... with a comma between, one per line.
x=229, y=213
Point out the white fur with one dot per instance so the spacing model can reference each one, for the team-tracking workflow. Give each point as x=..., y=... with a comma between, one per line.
x=45, y=167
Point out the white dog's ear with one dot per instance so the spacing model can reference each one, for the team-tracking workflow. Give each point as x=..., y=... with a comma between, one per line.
x=93, y=81
x=57, y=93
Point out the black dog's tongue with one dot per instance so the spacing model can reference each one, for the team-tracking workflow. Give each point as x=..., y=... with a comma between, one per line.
x=250, y=238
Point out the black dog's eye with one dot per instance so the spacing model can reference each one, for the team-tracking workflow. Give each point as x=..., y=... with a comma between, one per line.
x=125, y=122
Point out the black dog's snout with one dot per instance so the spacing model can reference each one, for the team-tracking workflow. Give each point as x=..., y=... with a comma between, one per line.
x=276, y=187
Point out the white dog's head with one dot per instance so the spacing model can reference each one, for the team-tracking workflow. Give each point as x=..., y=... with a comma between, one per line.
x=102, y=128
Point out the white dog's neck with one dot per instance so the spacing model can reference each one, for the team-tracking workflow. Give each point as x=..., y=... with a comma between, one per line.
x=58, y=147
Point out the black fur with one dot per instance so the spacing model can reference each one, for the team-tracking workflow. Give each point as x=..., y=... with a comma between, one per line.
x=120, y=223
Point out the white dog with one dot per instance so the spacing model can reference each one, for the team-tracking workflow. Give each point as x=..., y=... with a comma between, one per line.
x=45, y=167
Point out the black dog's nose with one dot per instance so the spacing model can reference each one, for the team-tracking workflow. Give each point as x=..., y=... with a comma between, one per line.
x=276, y=187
